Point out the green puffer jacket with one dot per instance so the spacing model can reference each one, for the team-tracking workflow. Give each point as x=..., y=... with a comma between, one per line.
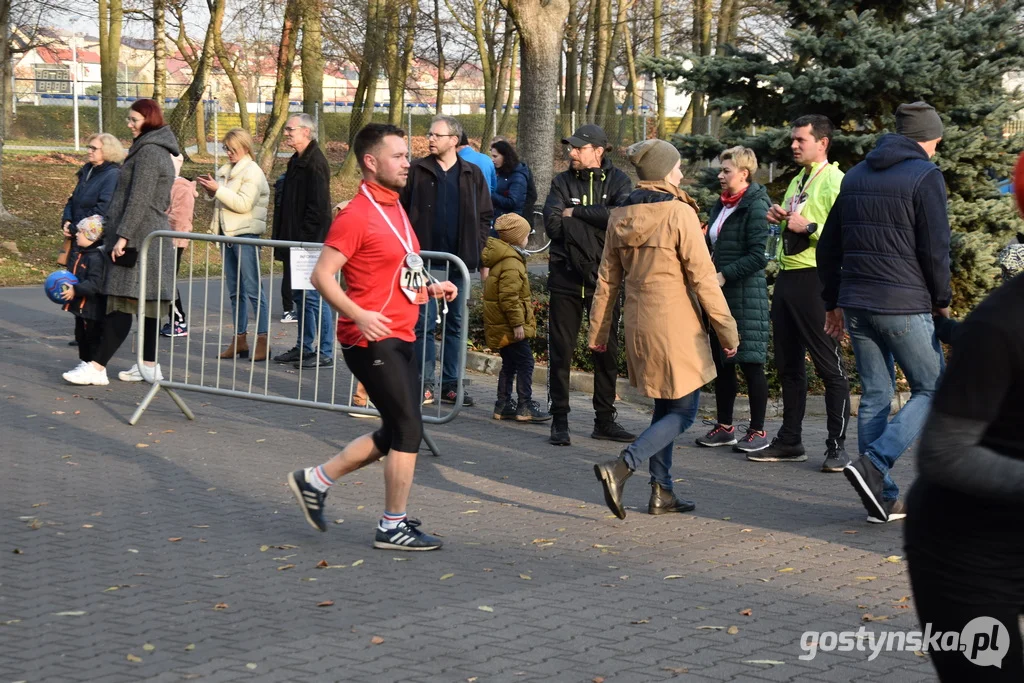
x=507, y=299
x=739, y=256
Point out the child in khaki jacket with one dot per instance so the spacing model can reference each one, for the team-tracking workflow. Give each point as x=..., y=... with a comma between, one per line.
x=509, y=322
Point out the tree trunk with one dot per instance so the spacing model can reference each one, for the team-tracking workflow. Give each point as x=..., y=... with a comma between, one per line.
x=601, y=19
x=606, y=103
x=366, y=89
x=111, y=17
x=398, y=51
x=283, y=85
x=312, y=60
x=633, y=85
x=506, y=116
x=507, y=50
x=572, y=85
x=159, y=52
x=5, y=55
x=659, y=81
x=439, y=41
x=583, y=55
x=241, y=96
x=540, y=23
x=186, y=109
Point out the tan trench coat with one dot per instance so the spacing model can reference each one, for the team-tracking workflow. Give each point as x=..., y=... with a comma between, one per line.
x=657, y=251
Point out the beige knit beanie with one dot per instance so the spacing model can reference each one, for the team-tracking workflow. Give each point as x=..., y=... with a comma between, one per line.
x=653, y=159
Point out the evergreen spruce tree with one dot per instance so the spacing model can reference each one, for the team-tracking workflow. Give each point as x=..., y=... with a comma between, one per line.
x=857, y=60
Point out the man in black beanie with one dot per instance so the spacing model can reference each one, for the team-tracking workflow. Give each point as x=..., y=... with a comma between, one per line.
x=883, y=261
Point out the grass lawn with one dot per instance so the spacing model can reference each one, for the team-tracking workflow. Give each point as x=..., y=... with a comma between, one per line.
x=35, y=190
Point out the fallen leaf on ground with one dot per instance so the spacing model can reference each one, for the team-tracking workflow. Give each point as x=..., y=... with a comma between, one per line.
x=485, y=608
x=732, y=630
x=264, y=548
x=376, y=640
x=469, y=512
x=285, y=566
x=190, y=647
x=676, y=669
x=772, y=662
x=525, y=577
x=133, y=658
x=746, y=612
x=598, y=545
x=710, y=628
x=544, y=540
x=866, y=578
x=895, y=559
x=112, y=588
x=325, y=603
x=871, y=617
x=787, y=569
x=142, y=445
x=673, y=576
x=357, y=563
x=200, y=526
x=174, y=539
x=221, y=605
x=251, y=666
x=641, y=621
x=445, y=577
x=745, y=531
x=149, y=647
x=87, y=526
x=905, y=598
x=35, y=524
x=597, y=679
x=322, y=564
x=849, y=532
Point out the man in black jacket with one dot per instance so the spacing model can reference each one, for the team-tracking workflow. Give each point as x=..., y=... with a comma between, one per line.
x=576, y=218
x=883, y=260
x=306, y=217
x=449, y=206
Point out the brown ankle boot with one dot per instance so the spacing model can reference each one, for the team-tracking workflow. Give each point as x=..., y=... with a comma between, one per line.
x=262, y=348
x=239, y=346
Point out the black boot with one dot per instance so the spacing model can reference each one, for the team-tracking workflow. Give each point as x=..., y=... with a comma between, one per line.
x=610, y=430
x=560, y=431
x=613, y=475
x=663, y=500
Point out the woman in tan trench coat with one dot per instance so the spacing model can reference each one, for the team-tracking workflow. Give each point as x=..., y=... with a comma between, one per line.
x=655, y=247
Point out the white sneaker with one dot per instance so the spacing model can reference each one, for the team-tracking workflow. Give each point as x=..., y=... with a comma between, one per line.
x=134, y=374
x=86, y=374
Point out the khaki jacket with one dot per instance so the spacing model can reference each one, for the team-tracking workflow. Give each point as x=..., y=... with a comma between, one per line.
x=657, y=251
x=240, y=204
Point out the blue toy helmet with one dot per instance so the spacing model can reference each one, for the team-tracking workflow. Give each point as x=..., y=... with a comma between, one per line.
x=56, y=282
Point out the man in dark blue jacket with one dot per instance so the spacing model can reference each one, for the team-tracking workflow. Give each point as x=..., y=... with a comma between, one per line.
x=883, y=261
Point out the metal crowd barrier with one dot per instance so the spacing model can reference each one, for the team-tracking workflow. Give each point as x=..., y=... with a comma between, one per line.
x=193, y=363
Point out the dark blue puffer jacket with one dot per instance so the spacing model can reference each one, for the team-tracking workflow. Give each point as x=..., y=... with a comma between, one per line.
x=92, y=193
x=510, y=195
x=885, y=245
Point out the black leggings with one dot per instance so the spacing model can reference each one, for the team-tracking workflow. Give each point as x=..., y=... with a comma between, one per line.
x=177, y=313
x=116, y=328
x=726, y=388
x=386, y=370
x=88, y=334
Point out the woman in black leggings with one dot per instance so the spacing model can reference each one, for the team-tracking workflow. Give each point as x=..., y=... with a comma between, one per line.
x=965, y=513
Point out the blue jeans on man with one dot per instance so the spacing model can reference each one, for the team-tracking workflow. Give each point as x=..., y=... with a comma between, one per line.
x=672, y=417
x=877, y=340
x=315, y=312
x=451, y=340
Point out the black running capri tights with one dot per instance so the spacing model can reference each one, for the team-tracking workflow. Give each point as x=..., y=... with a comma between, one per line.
x=386, y=370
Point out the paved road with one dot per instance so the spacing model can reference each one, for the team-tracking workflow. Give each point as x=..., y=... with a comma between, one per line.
x=187, y=559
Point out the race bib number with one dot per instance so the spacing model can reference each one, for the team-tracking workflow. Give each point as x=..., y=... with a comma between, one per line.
x=413, y=283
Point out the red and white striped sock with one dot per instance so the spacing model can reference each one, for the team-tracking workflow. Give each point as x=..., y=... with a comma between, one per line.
x=318, y=479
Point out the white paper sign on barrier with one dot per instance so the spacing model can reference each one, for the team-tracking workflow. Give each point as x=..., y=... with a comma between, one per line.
x=302, y=262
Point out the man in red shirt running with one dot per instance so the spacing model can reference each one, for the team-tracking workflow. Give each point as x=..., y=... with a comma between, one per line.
x=373, y=244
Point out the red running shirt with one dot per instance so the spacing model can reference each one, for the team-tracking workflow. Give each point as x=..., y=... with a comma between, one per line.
x=375, y=260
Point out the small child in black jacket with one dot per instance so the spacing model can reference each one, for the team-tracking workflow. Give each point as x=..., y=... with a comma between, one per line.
x=86, y=300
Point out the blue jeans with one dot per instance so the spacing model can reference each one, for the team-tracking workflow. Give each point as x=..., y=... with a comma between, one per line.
x=452, y=334
x=672, y=417
x=877, y=341
x=245, y=257
x=311, y=313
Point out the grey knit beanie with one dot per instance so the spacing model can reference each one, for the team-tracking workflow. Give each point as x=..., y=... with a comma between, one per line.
x=653, y=159
x=918, y=121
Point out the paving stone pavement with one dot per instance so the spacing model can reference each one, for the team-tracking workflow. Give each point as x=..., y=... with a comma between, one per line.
x=189, y=560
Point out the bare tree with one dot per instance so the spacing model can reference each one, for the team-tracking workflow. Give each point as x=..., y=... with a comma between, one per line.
x=159, y=51
x=111, y=16
x=366, y=89
x=540, y=23
x=5, y=56
x=283, y=85
x=312, y=59
x=398, y=53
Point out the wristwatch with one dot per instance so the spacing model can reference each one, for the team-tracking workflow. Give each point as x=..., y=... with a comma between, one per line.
x=812, y=228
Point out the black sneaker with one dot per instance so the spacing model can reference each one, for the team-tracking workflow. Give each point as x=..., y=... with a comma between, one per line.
x=289, y=356
x=310, y=500
x=720, y=435
x=406, y=536
x=530, y=411
x=313, y=361
x=779, y=452
x=560, y=431
x=610, y=430
x=896, y=511
x=449, y=394
x=505, y=410
x=835, y=459
x=867, y=481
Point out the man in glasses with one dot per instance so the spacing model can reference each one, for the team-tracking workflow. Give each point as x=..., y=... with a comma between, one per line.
x=797, y=315
x=449, y=205
x=576, y=217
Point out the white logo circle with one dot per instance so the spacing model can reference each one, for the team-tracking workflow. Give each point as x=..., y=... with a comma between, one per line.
x=985, y=641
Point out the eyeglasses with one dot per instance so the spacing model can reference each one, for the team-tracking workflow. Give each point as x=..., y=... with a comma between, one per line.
x=440, y=135
x=569, y=149
x=93, y=149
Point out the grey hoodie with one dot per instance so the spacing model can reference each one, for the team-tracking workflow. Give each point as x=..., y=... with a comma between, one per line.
x=139, y=207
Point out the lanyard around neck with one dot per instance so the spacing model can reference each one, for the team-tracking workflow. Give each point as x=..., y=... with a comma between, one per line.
x=807, y=181
x=407, y=242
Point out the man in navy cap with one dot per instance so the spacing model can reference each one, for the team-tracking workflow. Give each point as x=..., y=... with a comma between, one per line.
x=575, y=217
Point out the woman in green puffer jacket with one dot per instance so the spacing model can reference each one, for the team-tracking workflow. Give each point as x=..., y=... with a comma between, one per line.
x=737, y=232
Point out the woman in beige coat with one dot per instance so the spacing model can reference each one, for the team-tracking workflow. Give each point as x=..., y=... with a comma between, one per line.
x=654, y=246
x=241, y=194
